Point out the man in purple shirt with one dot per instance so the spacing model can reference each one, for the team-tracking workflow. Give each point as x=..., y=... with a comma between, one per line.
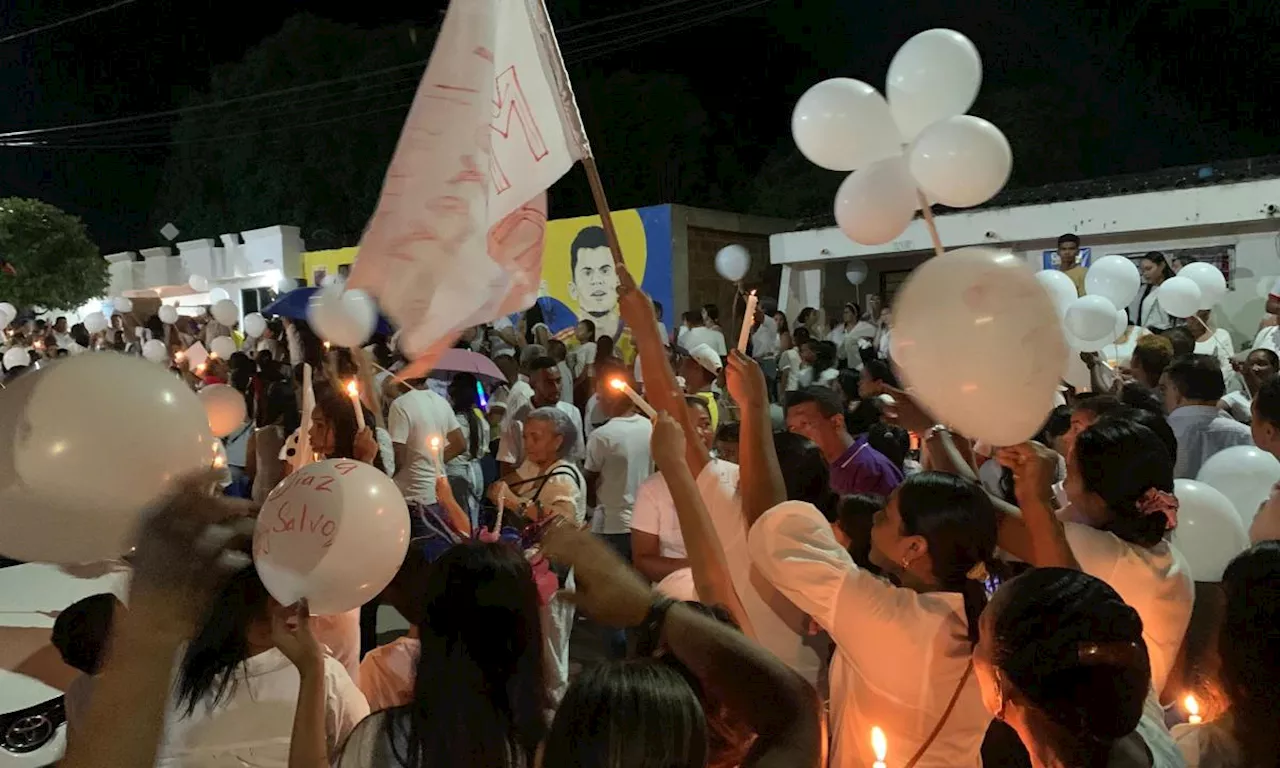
x=856, y=467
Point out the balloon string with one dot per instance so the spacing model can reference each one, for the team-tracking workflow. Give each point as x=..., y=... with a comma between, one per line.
x=927, y=210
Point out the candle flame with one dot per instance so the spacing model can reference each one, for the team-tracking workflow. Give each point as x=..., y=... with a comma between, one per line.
x=618, y=384
x=879, y=744
x=435, y=444
x=200, y=368
x=1192, y=706
x=218, y=462
x=326, y=346
x=178, y=356
x=353, y=390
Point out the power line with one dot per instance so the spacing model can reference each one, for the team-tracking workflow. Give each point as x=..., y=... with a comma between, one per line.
x=582, y=51
x=69, y=20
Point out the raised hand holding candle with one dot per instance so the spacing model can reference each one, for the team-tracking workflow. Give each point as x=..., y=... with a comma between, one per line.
x=353, y=392
x=879, y=745
x=748, y=319
x=626, y=389
x=1193, y=710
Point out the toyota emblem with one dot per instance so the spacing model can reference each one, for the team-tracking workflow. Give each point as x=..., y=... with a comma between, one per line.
x=29, y=733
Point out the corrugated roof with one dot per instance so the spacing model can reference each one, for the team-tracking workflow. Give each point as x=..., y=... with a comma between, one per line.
x=1184, y=177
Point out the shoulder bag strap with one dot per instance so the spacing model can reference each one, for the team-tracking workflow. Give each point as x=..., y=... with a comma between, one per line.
x=942, y=721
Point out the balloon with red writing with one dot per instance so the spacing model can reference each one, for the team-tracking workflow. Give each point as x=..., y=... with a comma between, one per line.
x=334, y=532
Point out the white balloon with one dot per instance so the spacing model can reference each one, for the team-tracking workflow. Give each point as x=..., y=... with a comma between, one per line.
x=168, y=315
x=1179, y=297
x=979, y=341
x=1209, y=533
x=122, y=304
x=342, y=318
x=224, y=406
x=1245, y=475
x=7, y=313
x=843, y=124
x=1114, y=278
x=226, y=312
x=876, y=203
x=933, y=76
x=732, y=262
x=254, y=324
x=1061, y=290
x=1122, y=324
x=155, y=351
x=856, y=271
x=223, y=347
x=95, y=322
x=16, y=357
x=67, y=496
x=1212, y=283
x=218, y=294
x=334, y=532
x=1085, y=345
x=961, y=161
x=1090, y=317
x=199, y=283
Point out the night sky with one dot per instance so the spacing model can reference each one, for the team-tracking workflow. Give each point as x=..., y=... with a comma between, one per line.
x=1082, y=89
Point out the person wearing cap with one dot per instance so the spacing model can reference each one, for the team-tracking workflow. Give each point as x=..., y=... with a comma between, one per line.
x=700, y=370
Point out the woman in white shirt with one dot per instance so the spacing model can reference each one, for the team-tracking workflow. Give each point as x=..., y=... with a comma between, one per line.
x=1155, y=270
x=1074, y=686
x=1249, y=675
x=847, y=334
x=236, y=692
x=820, y=359
x=902, y=657
x=790, y=364
x=1215, y=342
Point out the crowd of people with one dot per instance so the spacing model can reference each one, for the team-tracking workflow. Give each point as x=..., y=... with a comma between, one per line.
x=792, y=563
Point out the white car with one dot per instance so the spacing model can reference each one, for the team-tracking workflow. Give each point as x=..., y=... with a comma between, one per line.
x=32, y=675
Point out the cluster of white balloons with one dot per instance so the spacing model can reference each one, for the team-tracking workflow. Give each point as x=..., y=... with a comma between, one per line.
x=732, y=263
x=344, y=318
x=979, y=344
x=919, y=138
x=1196, y=286
x=155, y=430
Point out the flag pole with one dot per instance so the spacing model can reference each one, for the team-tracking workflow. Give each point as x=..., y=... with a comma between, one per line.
x=606, y=218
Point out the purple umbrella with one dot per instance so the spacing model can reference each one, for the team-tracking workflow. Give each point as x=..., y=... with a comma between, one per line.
x=465, y=361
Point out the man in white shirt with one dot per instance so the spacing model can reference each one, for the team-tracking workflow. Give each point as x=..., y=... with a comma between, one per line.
x=557, y=351
x=764, y=337
x=414, y=419
x=618, y=460
x=698, y=334
x=544, y=379
x=1193, y=385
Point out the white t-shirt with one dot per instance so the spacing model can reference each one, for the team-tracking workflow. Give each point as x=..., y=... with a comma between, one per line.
x=764, y=341
x=779, y=625
x=416, y=417
x=1239, y=406
x=701, y=335
x=1156, y=582
x=253, y=725
x=791, y=363
x=566, y=382
x=619, y=452
x=1218, y=345
x=900, y=654
x=581, y=357
x=595, y=416
x=655, y=513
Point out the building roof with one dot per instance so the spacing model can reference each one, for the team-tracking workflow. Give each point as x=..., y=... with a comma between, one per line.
x=1183, y=177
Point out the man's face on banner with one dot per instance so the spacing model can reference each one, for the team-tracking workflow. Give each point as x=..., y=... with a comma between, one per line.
x=595, y=282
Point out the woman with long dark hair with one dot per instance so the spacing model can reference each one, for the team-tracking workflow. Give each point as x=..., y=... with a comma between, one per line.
x=1155, y=270
x=236, y=691
x=334, y=431
x=277, y=420
x=820, y=357
x=902, y=648
x=465, y=476
x=1073, y=686
x=480, y=696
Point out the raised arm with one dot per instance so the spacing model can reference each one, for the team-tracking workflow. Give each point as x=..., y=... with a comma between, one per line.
x=659, y=378
x=762, y=484
x=707, y=560
x=184, y=556
x=756, y=687
x=1033, y=466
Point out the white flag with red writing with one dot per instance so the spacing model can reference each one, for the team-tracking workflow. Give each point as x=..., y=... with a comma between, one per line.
x=456, y=239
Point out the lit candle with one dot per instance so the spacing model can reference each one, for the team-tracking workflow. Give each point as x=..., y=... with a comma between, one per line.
x=179, y=356
x=1193, y=710
x=626, y=389
x=353, y=391
x=748, y=318
x=438, y=454
x=200, y=369
x=326, y=346
x=38, y=344
x=879, y=745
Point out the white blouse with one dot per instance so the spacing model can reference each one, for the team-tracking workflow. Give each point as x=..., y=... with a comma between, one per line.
x=900, y=654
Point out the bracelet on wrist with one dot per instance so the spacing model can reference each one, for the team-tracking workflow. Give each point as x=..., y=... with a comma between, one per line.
x=933, y=431
x=648, y=635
